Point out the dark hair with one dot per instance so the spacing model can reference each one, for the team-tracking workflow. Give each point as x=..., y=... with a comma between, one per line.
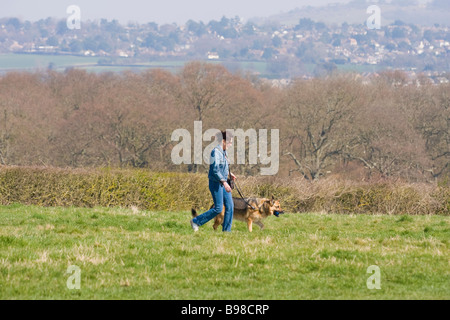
x=227, y=135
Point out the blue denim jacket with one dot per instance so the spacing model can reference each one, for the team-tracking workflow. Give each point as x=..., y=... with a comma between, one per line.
x=218, y=168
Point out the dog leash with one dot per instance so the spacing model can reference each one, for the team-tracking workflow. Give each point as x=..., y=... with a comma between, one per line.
x=235, y=183
x=276, y=213
x=242, y=197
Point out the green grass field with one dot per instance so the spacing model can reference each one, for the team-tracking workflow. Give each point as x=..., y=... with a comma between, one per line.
x=33, y=62
x=30, y=62
x=131, y=254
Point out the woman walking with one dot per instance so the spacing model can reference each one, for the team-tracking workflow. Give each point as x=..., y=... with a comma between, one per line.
x=218, y=186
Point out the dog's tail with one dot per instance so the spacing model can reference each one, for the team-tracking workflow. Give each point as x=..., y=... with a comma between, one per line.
x=194, y=212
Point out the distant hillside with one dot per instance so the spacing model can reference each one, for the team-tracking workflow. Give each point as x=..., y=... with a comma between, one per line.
x=307, y=42
x=435, y=12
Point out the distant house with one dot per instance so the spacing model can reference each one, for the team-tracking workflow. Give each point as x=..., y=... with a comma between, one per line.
x=15, y=46
x=213, y=56
x=89, y=53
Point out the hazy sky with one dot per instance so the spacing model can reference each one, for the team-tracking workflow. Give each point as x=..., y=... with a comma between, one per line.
x=160, y=11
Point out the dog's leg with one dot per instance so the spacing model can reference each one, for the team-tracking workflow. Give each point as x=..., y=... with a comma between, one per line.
x=260, y=224
x=218, y=220
x=249, y=224
x=217, y=223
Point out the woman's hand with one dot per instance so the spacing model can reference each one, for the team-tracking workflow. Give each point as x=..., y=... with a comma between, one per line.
x=227, y=187
x=233, y=177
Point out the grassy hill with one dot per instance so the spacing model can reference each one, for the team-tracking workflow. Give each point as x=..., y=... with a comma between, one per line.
x=130, y=254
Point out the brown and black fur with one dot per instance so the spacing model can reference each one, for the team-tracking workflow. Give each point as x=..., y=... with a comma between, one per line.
x=264, y=207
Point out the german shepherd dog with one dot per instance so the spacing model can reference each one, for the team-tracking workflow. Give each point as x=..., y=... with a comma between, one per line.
x=256, y=210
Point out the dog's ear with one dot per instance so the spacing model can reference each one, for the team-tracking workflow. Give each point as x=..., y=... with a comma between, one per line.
x=272, y=200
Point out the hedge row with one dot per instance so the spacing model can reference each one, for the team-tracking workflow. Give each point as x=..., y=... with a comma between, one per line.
x=332, y=195
x=101, y=187
x=181, y=191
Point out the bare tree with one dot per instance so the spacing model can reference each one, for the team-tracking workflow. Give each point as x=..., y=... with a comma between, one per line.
x=386, y=142
x=138, y=114
x=26, y=118
x=320, y=113
x=204, y=87
x=76, y=118
x=430, y=115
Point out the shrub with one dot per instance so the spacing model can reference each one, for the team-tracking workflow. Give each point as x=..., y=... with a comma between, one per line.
x=340, y=196
x=102, y=187
x=180, y=191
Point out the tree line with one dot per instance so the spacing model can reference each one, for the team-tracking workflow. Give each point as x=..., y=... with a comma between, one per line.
x=339, y=125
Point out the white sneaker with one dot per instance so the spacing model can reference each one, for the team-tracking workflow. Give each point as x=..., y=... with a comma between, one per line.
x=194, y=225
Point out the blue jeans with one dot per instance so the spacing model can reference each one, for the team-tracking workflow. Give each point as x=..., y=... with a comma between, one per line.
x=220, y=197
